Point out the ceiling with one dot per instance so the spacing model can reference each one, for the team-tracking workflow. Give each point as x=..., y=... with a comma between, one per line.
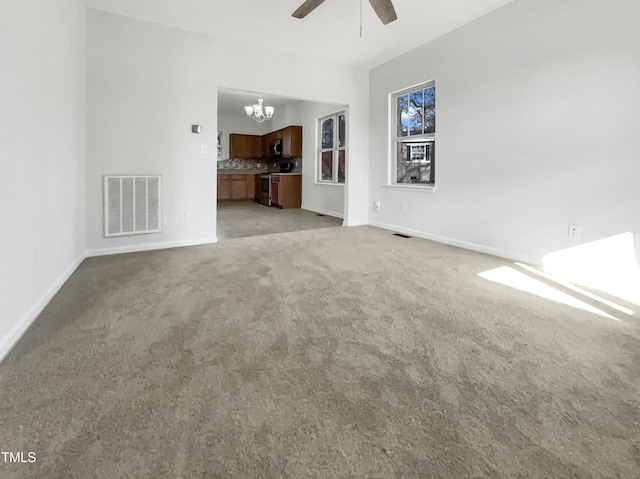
x=329, y=33
x=234, y=101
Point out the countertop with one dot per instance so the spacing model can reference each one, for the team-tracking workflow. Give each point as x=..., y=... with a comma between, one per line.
x=239, y=171
x=231, y=171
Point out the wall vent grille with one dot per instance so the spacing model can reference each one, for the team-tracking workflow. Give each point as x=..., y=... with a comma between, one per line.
x=132, y=205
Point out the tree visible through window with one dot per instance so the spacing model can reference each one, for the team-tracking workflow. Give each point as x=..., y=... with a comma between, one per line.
x=414, y=136
x=332, y=154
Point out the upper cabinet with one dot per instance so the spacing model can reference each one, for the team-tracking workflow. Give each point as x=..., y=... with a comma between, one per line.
x=252, y=146
x=245, y=146
x=292, y=142
x=266, y=144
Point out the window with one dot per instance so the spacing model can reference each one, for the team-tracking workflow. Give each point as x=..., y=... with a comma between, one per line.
x=413, y=135
x=332, y=152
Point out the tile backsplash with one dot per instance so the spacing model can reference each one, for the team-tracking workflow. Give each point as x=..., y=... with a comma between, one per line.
x=256, y=164
x=241, y=164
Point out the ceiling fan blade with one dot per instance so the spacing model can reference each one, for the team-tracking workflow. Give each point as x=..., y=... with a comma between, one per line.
x=384, y=9
x=306, y=8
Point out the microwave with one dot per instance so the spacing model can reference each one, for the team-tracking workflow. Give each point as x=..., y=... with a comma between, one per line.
x=276, y=148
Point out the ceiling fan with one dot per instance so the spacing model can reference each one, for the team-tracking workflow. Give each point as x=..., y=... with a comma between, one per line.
x=383, y=8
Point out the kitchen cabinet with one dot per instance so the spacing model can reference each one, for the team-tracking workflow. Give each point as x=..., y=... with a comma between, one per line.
x=244, y=146
x=257, y=192
x=236, y=187
x=253, y=146
x=251, y=187
x=224, y=187
x=292, y=142
x=286, y=190
x=266, y=144
x=275, y=189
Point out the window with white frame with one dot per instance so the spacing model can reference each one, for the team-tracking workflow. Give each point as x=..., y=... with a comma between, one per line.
x=332, y=148
x=413, y=135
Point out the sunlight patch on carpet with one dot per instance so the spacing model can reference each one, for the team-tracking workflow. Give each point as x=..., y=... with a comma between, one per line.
x=611, y=265
x=515, y=279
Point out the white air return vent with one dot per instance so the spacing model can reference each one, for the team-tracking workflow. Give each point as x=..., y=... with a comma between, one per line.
x=131, y=205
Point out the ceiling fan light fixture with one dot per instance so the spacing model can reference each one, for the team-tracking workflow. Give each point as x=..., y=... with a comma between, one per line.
x=383, y=8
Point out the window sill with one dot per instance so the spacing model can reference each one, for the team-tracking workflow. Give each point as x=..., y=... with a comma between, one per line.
x=328, y=183
x=423, y=188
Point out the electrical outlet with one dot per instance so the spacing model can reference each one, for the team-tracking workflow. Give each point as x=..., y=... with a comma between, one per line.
x=574, y=231
x=204, y=149
x=376, y=206
x=403, y=207
x=184, y=216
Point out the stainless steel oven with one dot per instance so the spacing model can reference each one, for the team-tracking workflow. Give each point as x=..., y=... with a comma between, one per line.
x=265, y=189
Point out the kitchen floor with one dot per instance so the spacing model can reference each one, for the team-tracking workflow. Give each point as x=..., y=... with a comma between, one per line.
x=247, y=218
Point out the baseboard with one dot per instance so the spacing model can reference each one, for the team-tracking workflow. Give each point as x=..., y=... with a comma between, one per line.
x=356, y=223
x=149, y=247
x=8, y=342
x=322, y=212
x=461, y=244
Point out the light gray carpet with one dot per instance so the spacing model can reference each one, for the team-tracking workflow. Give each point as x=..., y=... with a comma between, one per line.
x=241, y=219
x=332, y=353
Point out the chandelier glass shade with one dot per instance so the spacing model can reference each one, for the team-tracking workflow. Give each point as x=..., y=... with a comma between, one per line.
x=258, y=112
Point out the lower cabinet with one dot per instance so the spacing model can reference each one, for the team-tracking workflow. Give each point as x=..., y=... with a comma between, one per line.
x=286, y=191
x=224, y=187
x=236, y=187
x=258, y=192
x=275, y=190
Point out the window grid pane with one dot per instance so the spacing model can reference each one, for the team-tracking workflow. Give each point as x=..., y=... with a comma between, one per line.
x=415, y=113
x=326, y=172
x=341, y=166
x=327, y=133
x=402, y=113
x=414, y=162
x=430, y=110
x=341, y=131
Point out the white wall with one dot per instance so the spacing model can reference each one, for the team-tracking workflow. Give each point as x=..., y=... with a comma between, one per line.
x=319, y=197
x=286, y=115
x=42, y=66
x=538, y=114
x=148, y=83
x=231, y=123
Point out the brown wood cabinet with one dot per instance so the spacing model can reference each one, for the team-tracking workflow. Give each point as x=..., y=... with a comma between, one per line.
x=257, y=189
x=286, y=190
x=250, y=186
x=245, y=146
x=292, y=142
x=253, y=146
x=275, y=189
x=266, y=144
x=224, y=187
x=236, y=187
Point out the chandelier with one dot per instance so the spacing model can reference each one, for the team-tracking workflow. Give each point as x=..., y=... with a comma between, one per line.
x=258, y=112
